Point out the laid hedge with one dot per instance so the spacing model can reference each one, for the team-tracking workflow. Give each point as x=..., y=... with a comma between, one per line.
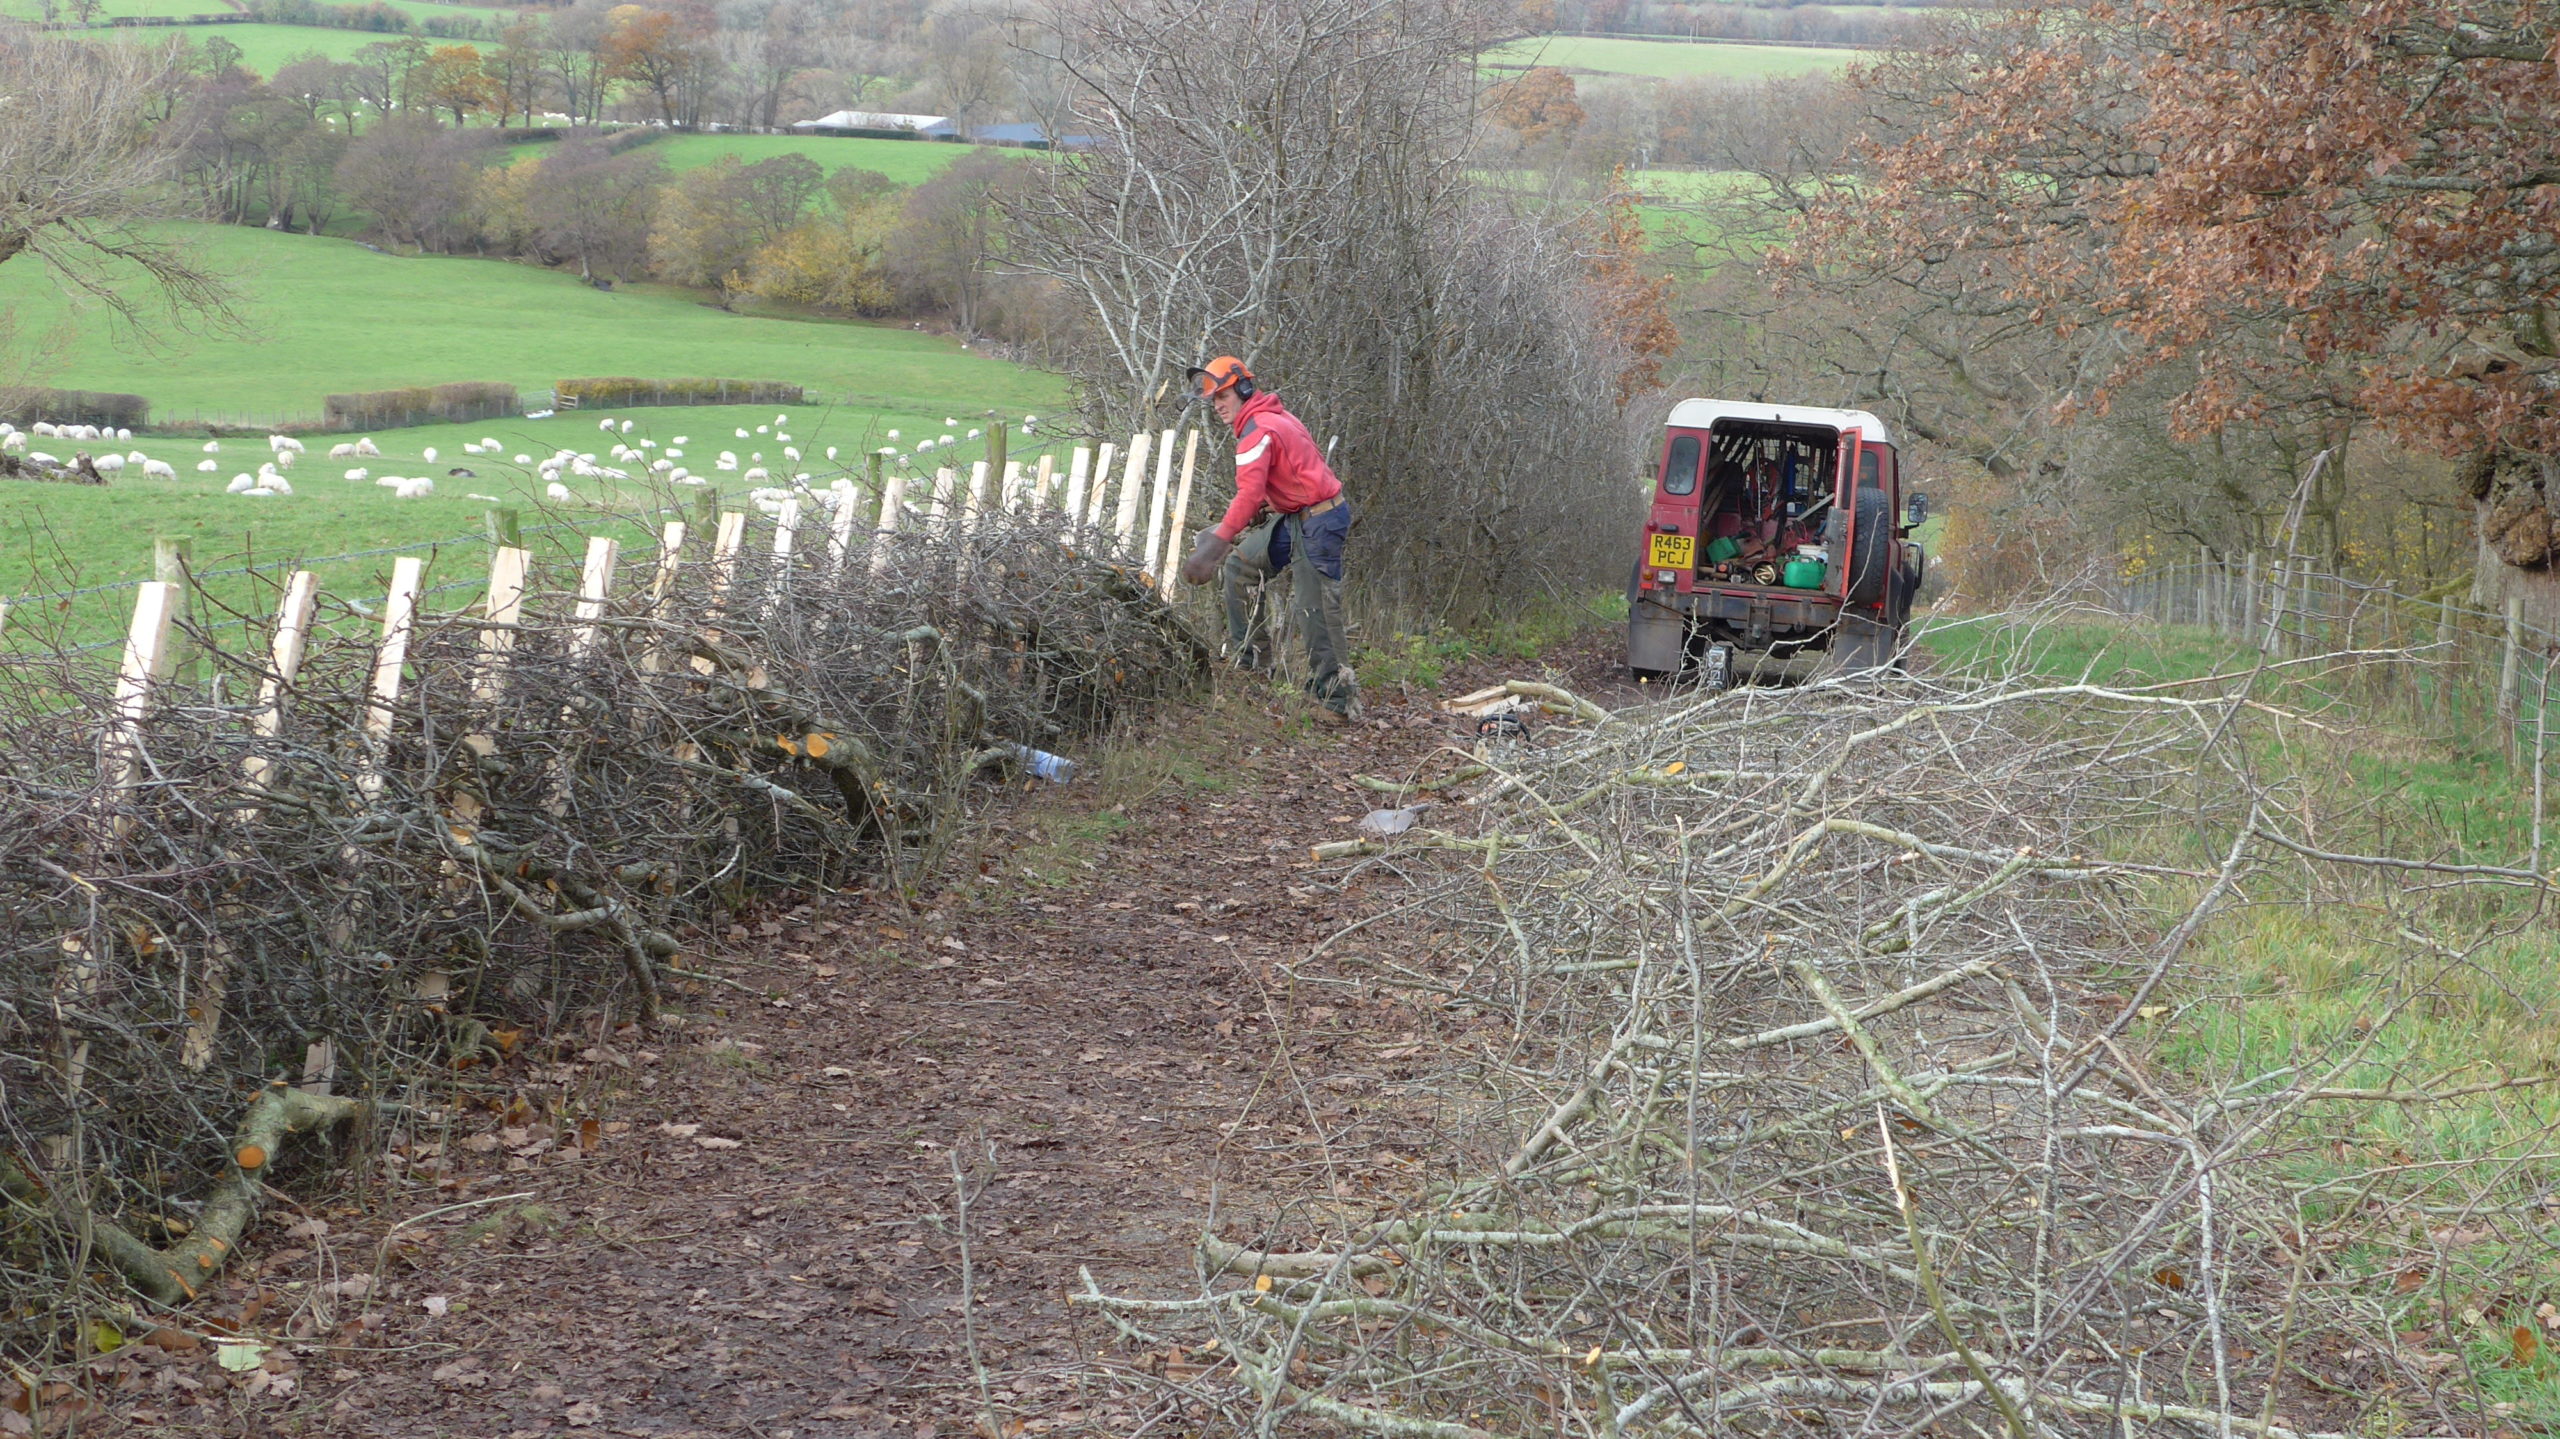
x=103, y=408
x=623, y=390
x=418, y=405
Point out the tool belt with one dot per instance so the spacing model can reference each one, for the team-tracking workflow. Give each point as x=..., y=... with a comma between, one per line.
x=1319, y=507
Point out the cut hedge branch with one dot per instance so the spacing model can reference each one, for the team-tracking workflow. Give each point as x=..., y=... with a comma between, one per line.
x=174, y=1275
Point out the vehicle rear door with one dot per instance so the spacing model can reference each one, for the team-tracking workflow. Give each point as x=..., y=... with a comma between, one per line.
x=1844, y=503
x=1671, y=537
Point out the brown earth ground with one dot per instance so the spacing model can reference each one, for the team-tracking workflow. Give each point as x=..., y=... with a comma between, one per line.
x=749, y=1220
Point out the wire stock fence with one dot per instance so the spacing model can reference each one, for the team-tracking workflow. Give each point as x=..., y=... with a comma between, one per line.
x=2447, y=670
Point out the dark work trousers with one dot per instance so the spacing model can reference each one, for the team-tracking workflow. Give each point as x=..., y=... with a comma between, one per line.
x=1311, y=550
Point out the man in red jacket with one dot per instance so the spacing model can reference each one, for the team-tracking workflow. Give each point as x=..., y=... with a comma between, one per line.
x=1279, y=467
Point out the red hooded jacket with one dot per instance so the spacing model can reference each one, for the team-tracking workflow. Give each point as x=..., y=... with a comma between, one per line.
x=1277, y=463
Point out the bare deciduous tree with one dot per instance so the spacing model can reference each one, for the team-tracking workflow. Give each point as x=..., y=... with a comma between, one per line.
x=84, y=167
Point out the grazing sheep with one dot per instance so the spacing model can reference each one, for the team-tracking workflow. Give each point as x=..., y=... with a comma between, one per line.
x=674, y=452
x=626, y=427
x=428, y=454
x=973, y=434
x=359, y=473
x=41, y=458
x=662, y=466
x=724, y=463
x=107, y=464
x=417, y=488
x=537, y=414
x=648, y=444
x=278, y=484
x=681, y=440
x=342, y=452
x=681, y=474
x=240, y=485
x=831, y=452
x=691, y=480
x=364, y=447
x=524, y=459
x=391, y=482
x=781, y=436
x=471, y=447
x=160, y=469
x=742, y=434
x=605, y=424
x=257, y=492
x=15, y=440
x=782, y=419
x=758, y=473
x=949, y=421
x=48, y=429
x=206, y=467
x=484, y=499
x=281, y=443
x=488, y=444
x=791, y=452
x=555, y=491
x=135, y=457
x=124, y=436
x=756, y=455
x=764, y=429
x=893, y=434
x=213, y=447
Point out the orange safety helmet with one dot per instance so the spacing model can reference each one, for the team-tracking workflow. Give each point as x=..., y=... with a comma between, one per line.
x=1223, y=373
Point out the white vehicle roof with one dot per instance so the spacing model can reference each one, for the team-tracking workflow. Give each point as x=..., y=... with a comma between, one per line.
x=1703, y=414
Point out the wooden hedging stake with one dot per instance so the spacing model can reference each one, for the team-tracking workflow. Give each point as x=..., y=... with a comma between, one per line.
x=662, y=591
x=840, y=530
x=893, y=502
x=399, y=619
x=146, y=663
x=976, y=500
x=1133, y=487
x=293, y=636
x=595, y=582
x=946, y=485
x=1179, y=538
x=1010, y=489
x=1159, y=498
x=786, y=532
x=1041, y=479
x=1101, y=486
x=1079, y=467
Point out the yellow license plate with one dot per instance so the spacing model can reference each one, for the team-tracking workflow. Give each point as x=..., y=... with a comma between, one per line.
x=1673, y=552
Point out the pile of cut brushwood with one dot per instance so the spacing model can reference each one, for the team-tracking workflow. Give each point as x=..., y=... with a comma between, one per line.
x=1824, y=1101
x=237, y=913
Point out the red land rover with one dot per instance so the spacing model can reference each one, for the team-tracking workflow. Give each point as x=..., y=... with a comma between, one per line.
x=1775, y=532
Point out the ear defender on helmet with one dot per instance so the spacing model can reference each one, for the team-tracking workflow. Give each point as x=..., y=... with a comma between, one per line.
x=1219, y=375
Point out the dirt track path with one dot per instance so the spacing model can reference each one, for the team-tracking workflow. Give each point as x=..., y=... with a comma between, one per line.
x=765, y=1239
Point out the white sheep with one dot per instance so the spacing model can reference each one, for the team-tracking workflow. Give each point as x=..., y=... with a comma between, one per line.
x=124, y=436
x=488, y=444
x=626, y=427
x=471, y=447
x=556, y=491
x=724, y=463
x=764, y=429
x=257, y=492
x=537, y=414
x=742, y=434
x=213, y=447
x=675, y=452
x=359, y=473
x=755, y=455
x=282, y=443
x=756, y=473
x=428, y=454
x=279, y=484
x=683, y=475
x=973, y=434
x=605, y=424
x=691, y=480
x=342, y=452
x=41, y=458
x=48, y=429
x=661, y=466
x=484, y=499
x=524, y=459
x=831, y=452
x=893, y=434
x=782, y=419
x=240, y=485
x=206, y=467
x=648, y=444
x=390, y=482
x=417, y=488
x=135, y=457
x=15, y=440
x=949, y=421
x=108, y=464
x=365, y=448
x=791, y=452
x=160, y=469
x=681, y=440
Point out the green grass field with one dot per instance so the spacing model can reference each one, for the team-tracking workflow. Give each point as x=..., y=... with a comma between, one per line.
x=325, y=315
x=909, y=162
x=1668, y=59
x=263, y=48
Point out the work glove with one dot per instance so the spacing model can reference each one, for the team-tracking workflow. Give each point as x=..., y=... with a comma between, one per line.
x=1206, y=556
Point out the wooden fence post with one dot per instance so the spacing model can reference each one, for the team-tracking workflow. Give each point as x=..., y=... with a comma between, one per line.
x=1010, y=494
x=172, y=563
x=2249, y=595
x=595, y=582
x=2510, y=657
x=975, y=501
x=1040, y=481
x=840, y=530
